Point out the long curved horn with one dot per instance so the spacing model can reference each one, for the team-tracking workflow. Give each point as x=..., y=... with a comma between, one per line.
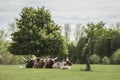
x=67, y=59
x=31, y=57
x=24, y=58
x=54, y=58
x=34, y=57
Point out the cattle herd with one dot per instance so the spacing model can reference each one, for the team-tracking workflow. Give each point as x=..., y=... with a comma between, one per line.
x=48, y=63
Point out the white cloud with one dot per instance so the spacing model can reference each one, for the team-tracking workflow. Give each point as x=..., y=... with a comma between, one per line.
x=65, y=11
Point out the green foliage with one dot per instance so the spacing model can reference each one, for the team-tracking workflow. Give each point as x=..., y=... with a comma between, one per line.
x=94, y=32
x=1, y=59
x=98, y=39
x=81, y=50
x=116, y=57
x=6, y=57
x=94, y=59
x=105, y=60
x=72, y=51
x=115, y=41
x=103, y=47
x=37, y=34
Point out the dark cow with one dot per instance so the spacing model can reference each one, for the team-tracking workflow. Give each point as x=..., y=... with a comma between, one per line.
x=50, y=63
x=29, y=63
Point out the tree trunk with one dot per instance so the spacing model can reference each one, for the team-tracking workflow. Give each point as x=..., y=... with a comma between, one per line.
x=88, y=68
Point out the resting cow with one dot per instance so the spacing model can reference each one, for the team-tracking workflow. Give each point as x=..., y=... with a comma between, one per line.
x=50, y=63
x=63, y=65
x=39, y=63
x=29, y=63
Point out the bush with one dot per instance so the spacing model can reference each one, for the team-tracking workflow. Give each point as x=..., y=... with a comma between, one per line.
x=94, y=59
x=116, y=57
x=8, y=58
x=105, y=60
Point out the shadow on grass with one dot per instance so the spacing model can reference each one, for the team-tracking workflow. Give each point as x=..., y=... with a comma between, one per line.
x=86, y=70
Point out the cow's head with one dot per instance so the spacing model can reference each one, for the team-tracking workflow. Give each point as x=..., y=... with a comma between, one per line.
x=50, y=62
x=30, y=63
x=68, y=62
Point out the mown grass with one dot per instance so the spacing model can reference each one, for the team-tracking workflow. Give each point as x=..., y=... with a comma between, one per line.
x=99, y=72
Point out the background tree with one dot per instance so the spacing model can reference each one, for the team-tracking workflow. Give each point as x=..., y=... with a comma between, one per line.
x=3, y=34
x=37, y=34
x=116, y=57
x=67, y=32
x=78, y=32
x=115, y=41
x=82, y=50
x=90, y=37
x=93, y=32
x=5, y=56
x=12, y=28
x=79, y=40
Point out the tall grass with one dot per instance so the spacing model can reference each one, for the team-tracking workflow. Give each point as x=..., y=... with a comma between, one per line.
x=99, y=72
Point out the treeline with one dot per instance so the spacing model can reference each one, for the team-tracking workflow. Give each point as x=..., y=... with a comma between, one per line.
x=105, y=42
x=36, y=33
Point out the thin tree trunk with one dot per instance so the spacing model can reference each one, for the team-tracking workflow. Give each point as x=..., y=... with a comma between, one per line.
x=88, y=68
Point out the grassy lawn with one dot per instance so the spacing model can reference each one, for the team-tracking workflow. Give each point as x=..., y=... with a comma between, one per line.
x=100, y=72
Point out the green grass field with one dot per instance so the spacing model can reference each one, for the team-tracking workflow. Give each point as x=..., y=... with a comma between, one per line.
x=99, y=72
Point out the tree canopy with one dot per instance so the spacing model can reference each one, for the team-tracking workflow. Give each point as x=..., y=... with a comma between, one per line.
x=37, y=34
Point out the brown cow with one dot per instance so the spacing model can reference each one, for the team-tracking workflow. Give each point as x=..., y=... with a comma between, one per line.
x=39, y=63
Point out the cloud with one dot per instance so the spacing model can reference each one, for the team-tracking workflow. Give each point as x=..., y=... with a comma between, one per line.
x=65, y=11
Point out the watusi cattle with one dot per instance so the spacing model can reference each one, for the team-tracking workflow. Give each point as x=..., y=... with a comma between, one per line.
x=63, y=65
x=50, y=63
x=39, y=63
x=30, y=63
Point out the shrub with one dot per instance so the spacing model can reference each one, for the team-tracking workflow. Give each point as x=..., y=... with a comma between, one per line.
x=116, y=57
x=105, y=60
x=8, y=58
x=95, y=59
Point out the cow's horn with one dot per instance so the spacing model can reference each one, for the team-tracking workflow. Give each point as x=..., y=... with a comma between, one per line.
x=24, y=58
x=54, y=58
x=67, y=59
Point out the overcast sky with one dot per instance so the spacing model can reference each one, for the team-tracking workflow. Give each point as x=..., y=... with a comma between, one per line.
x=65, y=11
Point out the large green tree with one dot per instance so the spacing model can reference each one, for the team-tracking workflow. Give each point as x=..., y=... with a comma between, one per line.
x=37, y=34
